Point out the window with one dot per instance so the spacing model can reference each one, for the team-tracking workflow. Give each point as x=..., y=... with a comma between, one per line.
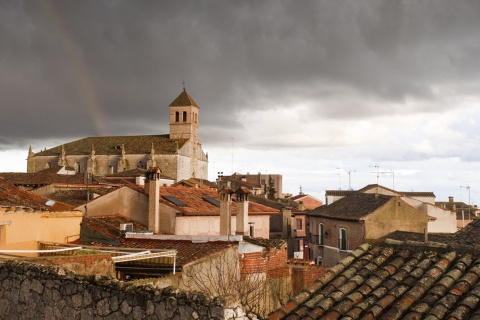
x=298, y=224
x=184, y=116
x=77, y=167
x=320, y=233
x=342, y=241
x=196, y=119
x=177, y=116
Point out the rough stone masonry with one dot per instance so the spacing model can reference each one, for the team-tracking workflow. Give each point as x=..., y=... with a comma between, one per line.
x=31, y=291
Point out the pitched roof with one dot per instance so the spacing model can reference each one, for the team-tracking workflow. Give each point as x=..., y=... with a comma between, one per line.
x=470, y=235
x=339, y=193
x=414, y=236
x=113, y=145
x=402, y=280
x=183, y=100
x=43, y=177
x=412, y=194
x=12, y=196
x=77, y=197
x=187, y=251
x=351, y=208
x=266, y=243
x=417, y=194
x=110, y=225
x=197, y=205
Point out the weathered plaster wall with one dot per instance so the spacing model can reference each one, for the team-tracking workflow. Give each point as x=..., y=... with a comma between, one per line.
x=394, y=215
x=30, y=291
x=26, y=227
x=210, y=225
x=124, y=201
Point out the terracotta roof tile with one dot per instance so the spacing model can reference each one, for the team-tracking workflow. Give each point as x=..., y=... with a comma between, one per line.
x=43, y=177
x=183, y=100
x=12, y=196
x=187, y=251
x=353, y=207
x=196, y=205
x=399, y=281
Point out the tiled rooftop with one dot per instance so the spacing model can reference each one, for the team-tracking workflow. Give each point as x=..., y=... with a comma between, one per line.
x=369, y=187
x=413, y=236
x=43, y=177
x=196, y=205
x=77, y=197
x=112, y=145
x=187, y=251
x=12, y=196
x=401, y=280
x=470, y=235
x=183, y=100
x=266, y=243
x=353, y=207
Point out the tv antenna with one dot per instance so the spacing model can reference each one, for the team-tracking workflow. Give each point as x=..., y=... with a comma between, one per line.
x=350, y=179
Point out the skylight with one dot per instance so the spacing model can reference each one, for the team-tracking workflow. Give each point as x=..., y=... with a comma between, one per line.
x=213, y=201
x=175, y=201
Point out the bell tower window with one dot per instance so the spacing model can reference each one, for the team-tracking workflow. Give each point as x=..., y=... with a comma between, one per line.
x=177, y=116
x=184, y=116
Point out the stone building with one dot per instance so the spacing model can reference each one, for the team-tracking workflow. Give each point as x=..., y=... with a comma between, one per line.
x=179, y=154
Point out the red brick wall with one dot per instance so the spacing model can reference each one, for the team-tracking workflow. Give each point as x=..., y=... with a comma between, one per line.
x=272, y=262
x=304, y=275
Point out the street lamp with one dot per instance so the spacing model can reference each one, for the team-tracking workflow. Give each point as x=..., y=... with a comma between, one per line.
x=468, y=188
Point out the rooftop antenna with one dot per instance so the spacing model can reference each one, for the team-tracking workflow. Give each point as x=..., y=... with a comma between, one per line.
x=349, y=179
x=340, y=177
x=393, y=176
x=233, y=143
x=378, y=173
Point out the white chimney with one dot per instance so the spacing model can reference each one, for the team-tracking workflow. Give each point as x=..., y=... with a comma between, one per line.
x=153, y=186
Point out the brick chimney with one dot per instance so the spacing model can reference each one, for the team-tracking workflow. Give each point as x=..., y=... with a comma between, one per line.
x=242, y=211
x=153, y=191
x=225, y=211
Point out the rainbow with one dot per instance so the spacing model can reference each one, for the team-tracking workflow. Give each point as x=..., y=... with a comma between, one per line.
x=84, y=84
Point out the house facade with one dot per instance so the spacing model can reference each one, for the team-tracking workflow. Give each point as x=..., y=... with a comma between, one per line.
x=445, y=219
x=335, y=230
x=27, y=218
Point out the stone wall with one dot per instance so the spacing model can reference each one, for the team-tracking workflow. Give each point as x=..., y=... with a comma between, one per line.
x=31, y=291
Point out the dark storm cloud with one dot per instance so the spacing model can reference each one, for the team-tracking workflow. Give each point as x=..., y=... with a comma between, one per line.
x=81, y=68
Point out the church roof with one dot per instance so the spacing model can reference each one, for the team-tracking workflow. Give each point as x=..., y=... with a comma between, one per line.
x=184, y=100
x=113, y=145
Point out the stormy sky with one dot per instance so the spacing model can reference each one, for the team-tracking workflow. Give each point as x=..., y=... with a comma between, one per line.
x=330, y=94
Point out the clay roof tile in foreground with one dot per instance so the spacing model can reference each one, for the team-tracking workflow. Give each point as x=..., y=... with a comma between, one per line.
x=393, y=280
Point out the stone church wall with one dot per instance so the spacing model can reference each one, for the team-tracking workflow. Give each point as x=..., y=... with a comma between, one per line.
x=30, y=291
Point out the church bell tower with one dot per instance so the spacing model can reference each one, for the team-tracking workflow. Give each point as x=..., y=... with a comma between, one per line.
x=184, y=118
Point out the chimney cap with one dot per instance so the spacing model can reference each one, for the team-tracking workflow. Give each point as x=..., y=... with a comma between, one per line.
x=226, y=191
x=243, y=190
x=154, y=170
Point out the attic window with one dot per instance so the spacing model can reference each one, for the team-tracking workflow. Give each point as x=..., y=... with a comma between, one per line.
x=213, y=201
x=175, y=201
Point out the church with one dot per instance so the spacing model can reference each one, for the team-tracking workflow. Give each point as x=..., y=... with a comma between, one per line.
x=178, y=154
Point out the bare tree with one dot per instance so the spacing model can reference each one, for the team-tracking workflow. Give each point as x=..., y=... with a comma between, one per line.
x=224, y=274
